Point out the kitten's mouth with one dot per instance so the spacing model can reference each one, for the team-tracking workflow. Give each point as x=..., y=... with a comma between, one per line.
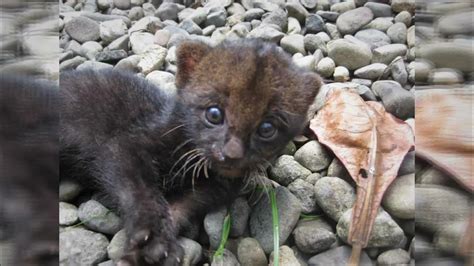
x=228, y=171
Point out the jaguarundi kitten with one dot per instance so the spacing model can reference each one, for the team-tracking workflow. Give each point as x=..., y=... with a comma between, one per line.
x=29, y=171
x=162, y=158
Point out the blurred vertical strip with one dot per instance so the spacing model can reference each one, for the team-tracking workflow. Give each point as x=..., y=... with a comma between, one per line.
x=29, y=73
x=444, y=75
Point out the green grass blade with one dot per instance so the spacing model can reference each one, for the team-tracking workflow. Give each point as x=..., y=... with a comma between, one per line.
x=224, y=237
x=276, y=229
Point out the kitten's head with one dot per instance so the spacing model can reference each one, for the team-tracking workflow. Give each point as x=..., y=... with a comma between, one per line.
x=244, y=101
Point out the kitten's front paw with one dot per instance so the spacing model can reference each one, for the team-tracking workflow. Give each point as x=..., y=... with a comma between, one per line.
x=148, y=246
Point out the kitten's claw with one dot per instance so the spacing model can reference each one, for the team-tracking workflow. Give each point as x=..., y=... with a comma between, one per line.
x=140, y=238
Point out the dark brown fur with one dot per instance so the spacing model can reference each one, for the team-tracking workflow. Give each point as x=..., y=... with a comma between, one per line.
x=137, y=142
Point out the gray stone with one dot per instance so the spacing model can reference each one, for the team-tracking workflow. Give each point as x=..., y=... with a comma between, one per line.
x=250, y=253
x=68, y=190
x=98, y=218
x=122, y=4
x=328, y=15
x=254, y=13
x=148, y=24
x=404, y=5
x=266, y=33
x=207, y=31
x=353, y=20
x=213, y=223
x=293, y=43
x=403, y=17
x=336, y=168
x=309, y=4
x=393, y=257
x=266, y=5
x=381, y=24
x=168, y=11
x=314, y=24
x=235, y=8
x=198, y=16
x=349, y=53
x=372, y=71
x=277, y=17
x=342, y=7
x=333, y=31
x=304, y=191
x=286, y=170
x=456, y=23
x=445, y=76
x=120, y=43
x=116, y=247
x=94, y=65
x=129, y=64
x=107, y=263
x=437, y=207
x=387, y=53
x=422, y=68
x=71, y=63
x=112, y=29
x=81, y=247
x=313, y=178
x=399, y=71
x=294, y=26
x=152, y=59
x=296, y=10
x=313, y=42
x=326, y=67
x=341, y=74
x=136, y=13
x=192, y=251
x=398, y=33
x=396, y=100
x=289, y=210
x=239, y=213
x=336, y=257
x=217, y=18
x=447, y=238
x=433, y=176
x=313, y=156
x=191, y=27
x=67, y=214
x=290, y=148
x=399, y=199
x=385, y=232
x=311, y=237
x=141, y=42
x=82, y=29
x=442, y=55
x=423, y=248
x=306, y=62
x=379, y=9
x=227, y=258
x=408, y=164
x=334, y=196
x=111, y=56
x=287, y=257
x=365, y=82
x=374, y=38
x=160, y=78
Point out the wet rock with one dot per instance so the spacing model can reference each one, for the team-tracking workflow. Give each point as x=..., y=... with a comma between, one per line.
x=286, y=170
x=353, y=20
x=313, y=237
x=289, y=209
x=192, y=251
x=399, y=199
x=313, y=156
x=334, y=196
x=372, y=71
x=116, y=247
x=98, y=218
x=438, y=206
x=350, y=54
x=393, y=257
x=337, y=256
x=396, y=100
x=82, y=247
x=82, y=29
x=304, y=191
x=385, y=232
x=213, y=223
x=67, y=214
x=250, y=253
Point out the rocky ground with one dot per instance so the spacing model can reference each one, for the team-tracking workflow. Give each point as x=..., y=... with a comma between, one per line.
x=365, y=45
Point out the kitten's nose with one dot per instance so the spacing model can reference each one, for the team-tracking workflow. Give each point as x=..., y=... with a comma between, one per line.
x=234, y=148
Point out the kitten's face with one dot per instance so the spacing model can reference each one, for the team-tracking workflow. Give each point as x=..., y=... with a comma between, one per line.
x=245, y=100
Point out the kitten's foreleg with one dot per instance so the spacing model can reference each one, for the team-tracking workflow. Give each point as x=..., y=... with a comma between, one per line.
x=143, y=208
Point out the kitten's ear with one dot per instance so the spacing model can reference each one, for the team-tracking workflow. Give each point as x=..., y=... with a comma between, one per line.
x=188, y=55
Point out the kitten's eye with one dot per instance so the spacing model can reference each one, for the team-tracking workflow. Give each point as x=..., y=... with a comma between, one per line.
x=266, y=130
x=214, y=115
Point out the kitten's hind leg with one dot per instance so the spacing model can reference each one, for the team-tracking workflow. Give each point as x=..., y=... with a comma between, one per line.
x=145, y=212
